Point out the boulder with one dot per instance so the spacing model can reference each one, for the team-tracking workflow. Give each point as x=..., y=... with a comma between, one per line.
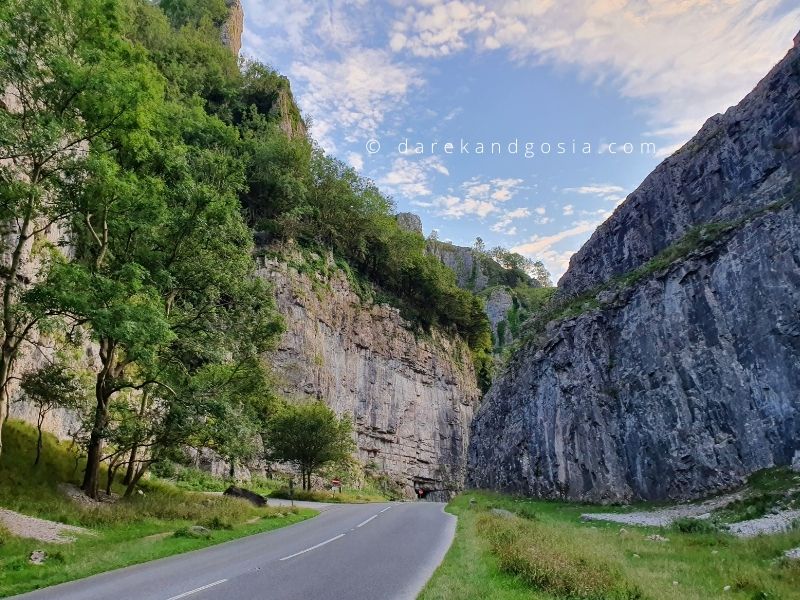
x=252, y=497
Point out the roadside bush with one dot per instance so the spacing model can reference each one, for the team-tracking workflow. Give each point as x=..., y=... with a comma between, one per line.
x=548, y=559
x=690, y=525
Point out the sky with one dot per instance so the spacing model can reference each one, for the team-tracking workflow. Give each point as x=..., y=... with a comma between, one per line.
x=553, y=110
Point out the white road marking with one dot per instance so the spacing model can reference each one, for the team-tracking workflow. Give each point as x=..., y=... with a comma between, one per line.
x=365, y=522
x=385, y=509
x=333, y=539
x=200, y=589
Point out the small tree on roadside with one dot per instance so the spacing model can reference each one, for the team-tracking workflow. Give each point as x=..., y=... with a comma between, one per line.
x=49, y=388
x=309, y=436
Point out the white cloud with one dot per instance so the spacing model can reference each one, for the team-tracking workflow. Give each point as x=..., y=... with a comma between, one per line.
x=568, y=209
x=504, y=225
x=478, y=198
x=354, y=93
x=355, y=160
x=456, y=207
x=596, y=189
x=688, y=59
x=412, y=178
x=441, y=30
x=606, y=191
x=538, y=244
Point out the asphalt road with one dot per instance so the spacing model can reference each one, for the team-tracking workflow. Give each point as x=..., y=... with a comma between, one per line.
x=353, y=552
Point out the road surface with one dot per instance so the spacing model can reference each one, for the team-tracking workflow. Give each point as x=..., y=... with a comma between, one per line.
x=347, y=552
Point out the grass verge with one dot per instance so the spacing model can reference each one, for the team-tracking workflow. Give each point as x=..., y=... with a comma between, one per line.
x=143, y=528
x=544, y=552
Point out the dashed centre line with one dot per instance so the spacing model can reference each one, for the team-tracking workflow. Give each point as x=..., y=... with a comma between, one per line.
x=333, y=539
x=194, y=591
x=360, y=525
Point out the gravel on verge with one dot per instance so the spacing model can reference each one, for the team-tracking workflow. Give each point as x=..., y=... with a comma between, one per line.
x=38, y=529
x=664, y=517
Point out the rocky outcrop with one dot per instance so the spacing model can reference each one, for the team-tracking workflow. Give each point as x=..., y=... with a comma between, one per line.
x=499, y=302
x=411, y=396
x=679, y=386
x=743, y=159
x=409, y=222
x=683, y=379
x=471, y=273
x=232, y=28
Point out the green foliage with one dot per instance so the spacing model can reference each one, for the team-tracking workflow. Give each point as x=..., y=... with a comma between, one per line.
x=777, y=488
x=690, y=525
x=127, y=532
x=496, y=556
x=309, y=435
x=194, y=12
x=49, y=388
x=544, y=557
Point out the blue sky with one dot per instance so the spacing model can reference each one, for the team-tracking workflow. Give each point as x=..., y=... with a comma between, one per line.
x=376, y=79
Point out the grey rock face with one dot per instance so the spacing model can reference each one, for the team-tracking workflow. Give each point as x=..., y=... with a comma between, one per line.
x=409, y=222
x=411, y=397
x=498, y=304
x=680, y=386
x=738, y=161
x=463, y=262
x=232, y=28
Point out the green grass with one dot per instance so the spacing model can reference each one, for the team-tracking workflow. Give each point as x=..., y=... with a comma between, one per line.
x=201, y=481
x=547, y=553
x=771, y=488
x=131, y=531
x=346, y=496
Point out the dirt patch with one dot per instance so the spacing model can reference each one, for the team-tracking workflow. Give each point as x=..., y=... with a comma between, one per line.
x=39, y=529
x=74, y=493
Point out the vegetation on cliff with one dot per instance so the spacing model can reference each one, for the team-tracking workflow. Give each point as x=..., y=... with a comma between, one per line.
x=135, y=138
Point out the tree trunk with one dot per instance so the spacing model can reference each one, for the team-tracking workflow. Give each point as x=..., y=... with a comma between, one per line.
x=39, y=423
x=112, y=472
x=91, y=476
x=103, y=391
x=11, y=325
x=5, y=375
x=132, y=485
x=129, y=472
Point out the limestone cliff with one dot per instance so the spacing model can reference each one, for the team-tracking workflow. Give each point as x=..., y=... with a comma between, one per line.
x=740, y=160
x=681, y=377
x=411, y=396
x=233, y=27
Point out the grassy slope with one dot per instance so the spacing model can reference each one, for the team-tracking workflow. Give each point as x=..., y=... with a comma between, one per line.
x=121, y=530
x=497, y=557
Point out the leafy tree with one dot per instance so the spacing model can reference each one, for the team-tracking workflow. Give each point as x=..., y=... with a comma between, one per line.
x=309, y=436
x=69, y=81
x=51, y=387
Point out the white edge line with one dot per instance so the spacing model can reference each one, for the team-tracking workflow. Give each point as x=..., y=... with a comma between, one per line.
x=367, y=521
x=385, y=509
x=200, y=589
x=333, y=539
